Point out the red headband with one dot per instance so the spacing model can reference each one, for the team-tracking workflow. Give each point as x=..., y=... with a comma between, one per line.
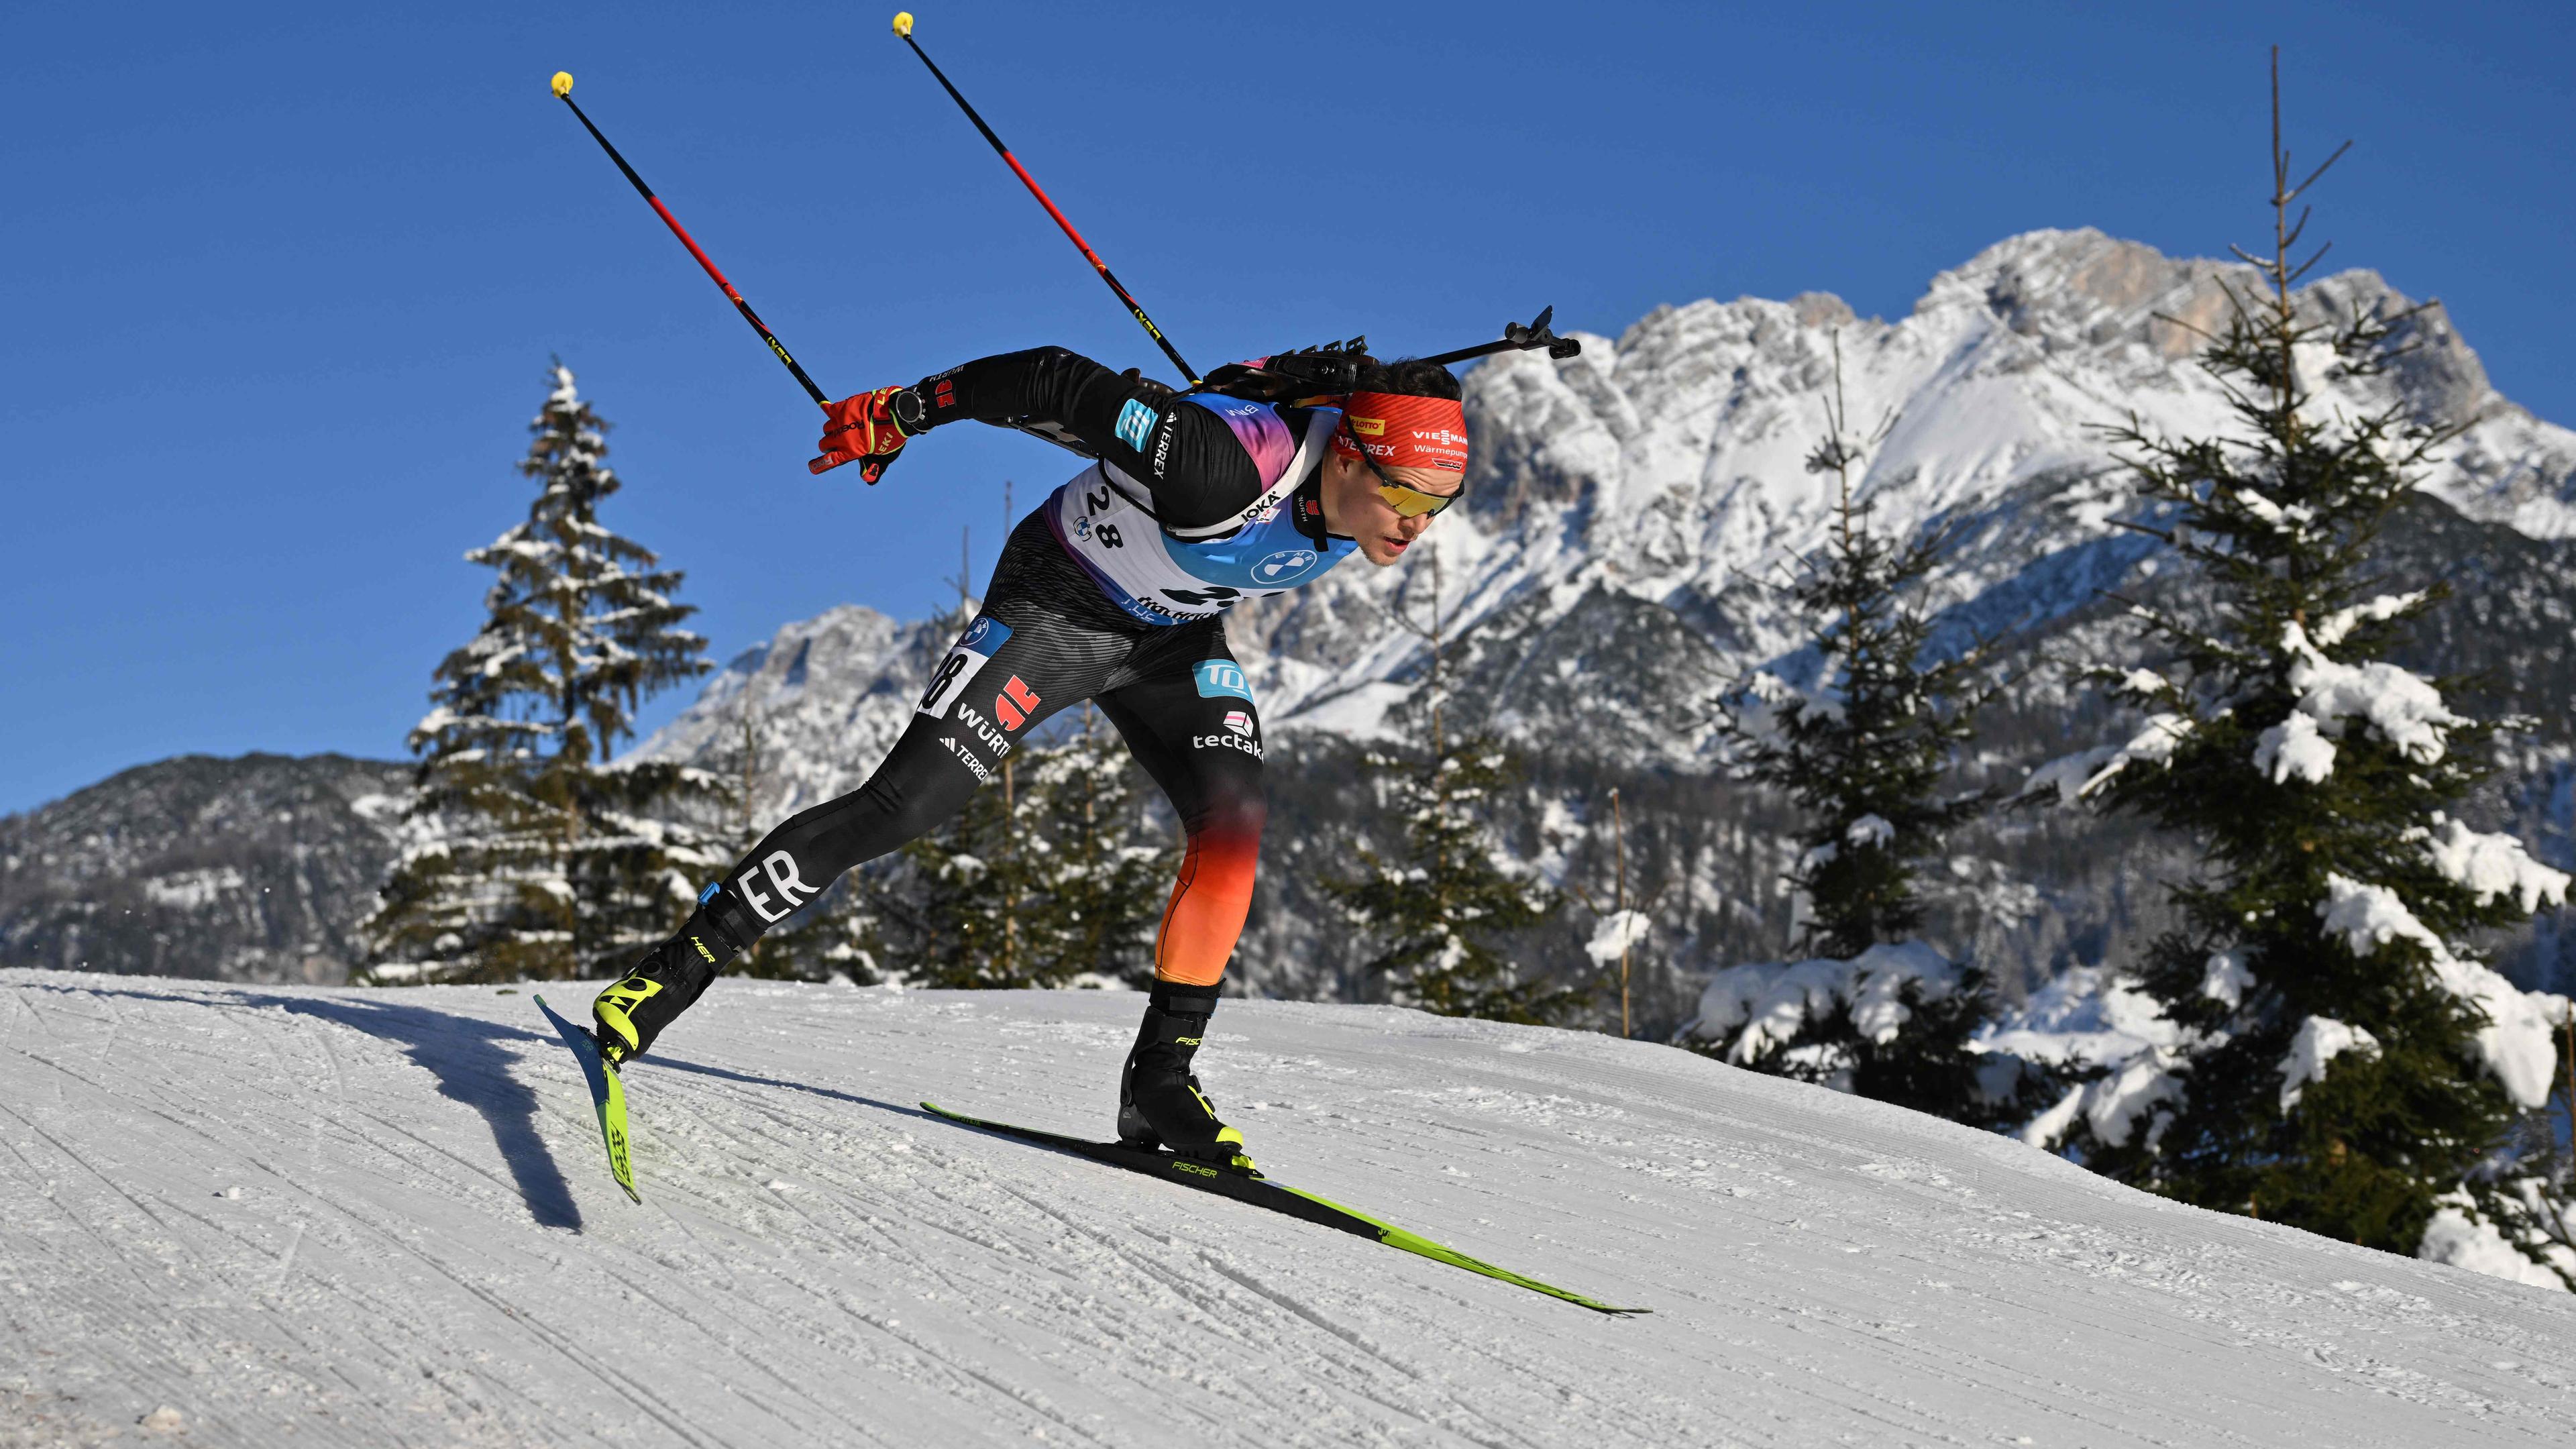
x=1402, y=431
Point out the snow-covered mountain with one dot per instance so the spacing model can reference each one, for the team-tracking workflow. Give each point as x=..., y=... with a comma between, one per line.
x=813, y=709
x=1626, y=506
x=1647, y=487
x=283, y=1217
x=249, y=869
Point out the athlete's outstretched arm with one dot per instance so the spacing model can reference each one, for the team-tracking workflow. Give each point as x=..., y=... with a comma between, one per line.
x=1187, y=455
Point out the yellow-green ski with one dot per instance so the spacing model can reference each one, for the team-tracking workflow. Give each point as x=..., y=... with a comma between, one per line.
x=1278, y=1197
x=607, y=1094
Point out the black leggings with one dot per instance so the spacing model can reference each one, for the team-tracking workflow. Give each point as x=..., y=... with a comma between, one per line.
x=1045, y=640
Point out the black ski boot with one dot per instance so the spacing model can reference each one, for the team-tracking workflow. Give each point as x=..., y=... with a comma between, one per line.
x=631, y=1012
x=1159, y=1101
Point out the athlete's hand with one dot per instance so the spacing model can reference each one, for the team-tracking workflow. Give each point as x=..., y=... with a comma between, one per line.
x=869, y=430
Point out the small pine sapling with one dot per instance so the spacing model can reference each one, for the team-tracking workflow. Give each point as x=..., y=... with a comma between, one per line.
x=1864, y=753
x=1439, y=904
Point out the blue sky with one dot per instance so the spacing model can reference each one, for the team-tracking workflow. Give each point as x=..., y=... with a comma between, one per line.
x=284, y=279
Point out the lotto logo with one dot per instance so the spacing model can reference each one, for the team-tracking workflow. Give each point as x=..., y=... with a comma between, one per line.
x=1239, y=722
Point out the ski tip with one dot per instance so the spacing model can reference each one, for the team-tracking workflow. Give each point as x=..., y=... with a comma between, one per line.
x=903, y=23
x=562, y=83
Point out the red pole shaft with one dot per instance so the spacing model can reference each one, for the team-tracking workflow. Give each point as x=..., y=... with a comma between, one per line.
x=696, y=251
x=1135, y=308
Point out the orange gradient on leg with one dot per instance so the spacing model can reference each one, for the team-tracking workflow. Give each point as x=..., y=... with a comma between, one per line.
x=1208, y=904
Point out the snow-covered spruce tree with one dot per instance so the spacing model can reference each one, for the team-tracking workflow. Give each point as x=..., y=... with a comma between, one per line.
x=1049, y=876
x=1864, y=754
x=1101, y=871
x=832, y=937
x=534, y=857
x=1437, y=903
x=2342, y=1061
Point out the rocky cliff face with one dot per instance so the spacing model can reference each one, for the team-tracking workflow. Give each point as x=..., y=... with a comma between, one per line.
x=1662, y=473
x=255, y=869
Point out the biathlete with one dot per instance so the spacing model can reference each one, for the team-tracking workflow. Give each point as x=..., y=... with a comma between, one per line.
x=1115, y=589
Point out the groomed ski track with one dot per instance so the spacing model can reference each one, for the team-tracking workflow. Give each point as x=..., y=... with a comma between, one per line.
x=308, y=1217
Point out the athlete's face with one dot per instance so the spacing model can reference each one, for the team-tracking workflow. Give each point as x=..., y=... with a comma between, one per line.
x=1355, y=509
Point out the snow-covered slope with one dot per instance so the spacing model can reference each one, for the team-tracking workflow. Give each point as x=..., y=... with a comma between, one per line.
x=300, y=1216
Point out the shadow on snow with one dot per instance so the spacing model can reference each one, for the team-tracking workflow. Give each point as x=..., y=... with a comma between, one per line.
x=467, y=1056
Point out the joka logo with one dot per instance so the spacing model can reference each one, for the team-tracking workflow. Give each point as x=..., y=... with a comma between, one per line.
x=1015, y=704
x=1136, y=424
x=1369, y=426
x=1284, y=565
x=1239, y=722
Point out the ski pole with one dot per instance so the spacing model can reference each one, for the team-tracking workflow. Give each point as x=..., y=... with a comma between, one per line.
x=563, y=92
x=903, y=28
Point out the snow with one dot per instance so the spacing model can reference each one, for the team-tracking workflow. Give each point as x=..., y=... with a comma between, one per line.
x=2401, y=706
x=2294, y=750
x=2332, y=629
x=2087, y=1016
x=2515, y=1044
x=2075, y=776
x=2457, y=1237
x=2460, y=1236
x=193, y=889
x=2136, y=1088
x=1771, y=1000
x=2493, y=865
x=1617, y=932
x=2369, y=917
x=1869, y=830
x=2226, y=977
x=2319, y=1040
x=312, y=1217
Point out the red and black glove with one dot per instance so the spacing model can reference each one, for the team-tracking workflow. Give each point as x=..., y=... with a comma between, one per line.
x=869, y=430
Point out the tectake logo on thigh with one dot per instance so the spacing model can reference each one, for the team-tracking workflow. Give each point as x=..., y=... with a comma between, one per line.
x=1244, y=742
